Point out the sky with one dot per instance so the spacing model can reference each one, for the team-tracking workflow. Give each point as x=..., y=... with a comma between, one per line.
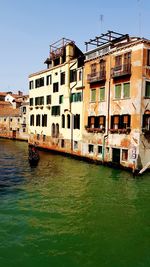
x=28, y=27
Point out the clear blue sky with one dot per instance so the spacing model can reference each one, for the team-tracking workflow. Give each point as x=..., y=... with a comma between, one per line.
x=28, y=27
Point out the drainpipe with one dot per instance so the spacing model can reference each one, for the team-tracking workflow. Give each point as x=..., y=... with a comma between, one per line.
x=108, y=113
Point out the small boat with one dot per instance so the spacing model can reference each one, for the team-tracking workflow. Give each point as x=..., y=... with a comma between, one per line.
x=33, y=156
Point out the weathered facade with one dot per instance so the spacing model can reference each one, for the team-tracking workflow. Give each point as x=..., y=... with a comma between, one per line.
x=117, y=100
x=56, y=100
x=95, y=105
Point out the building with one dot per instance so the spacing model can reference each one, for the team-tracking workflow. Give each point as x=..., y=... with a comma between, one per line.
x=14, y=116
x=56, y=93
x=95, y=105
x=117, y=100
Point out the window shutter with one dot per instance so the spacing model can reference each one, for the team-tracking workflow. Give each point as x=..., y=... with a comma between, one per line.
x=116, y=119
x=118, y=91
x=126, y=90
x=92, y=120
x=101, y=120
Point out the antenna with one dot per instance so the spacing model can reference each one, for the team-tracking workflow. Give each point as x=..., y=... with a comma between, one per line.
x=101, y=20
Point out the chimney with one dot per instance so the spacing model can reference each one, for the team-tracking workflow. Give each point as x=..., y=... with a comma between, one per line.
x=20, y=93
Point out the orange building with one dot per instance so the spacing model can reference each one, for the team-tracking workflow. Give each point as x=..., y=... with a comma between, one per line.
x=117, y=100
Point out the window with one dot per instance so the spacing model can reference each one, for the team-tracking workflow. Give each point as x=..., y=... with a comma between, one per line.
x=44, y=120
x=77, y=121
x=76, y=97
x=55, y=111
x=48, y=99
x=31, y=85
x=93, y=69
x=146, y=120
x=53, y=130
x=18, y=119
x=102, y=94
x=24, y=110
x=48, y=79
x=75, y=145
x=57, y=130
x=91, y=122
x=115, y=120
x=62, y=78
x=39, y=100
x=91, y=148
x=38, y=120
x=61, y=98
x=32, y=120
x=124, y=154
x=101, y=122
x=31, y=101
x=80, y=75
x=93, y=95
x=147, y=89
x=100, y=150
x=102, y=67
x=55, y=87
x=120, y=121
x=73, y=75
x=125, y=121
x=39, y=82
x=44, y=137
x=118, y=91
x=63, y=121
x=127, y=58
x=118, y=62
x=126, y=90
x=38, y=137
x=62, y=143
x=79, y=96
x=148, y=57
x=68, y=121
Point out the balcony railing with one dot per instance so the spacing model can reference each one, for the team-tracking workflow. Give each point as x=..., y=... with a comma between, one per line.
x=120, y=131
x=122, y=70
x=95, y=130
x=96, y=77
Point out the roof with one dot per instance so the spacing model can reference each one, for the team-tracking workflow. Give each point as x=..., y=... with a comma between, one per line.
x=4, y=103
x=9, y=111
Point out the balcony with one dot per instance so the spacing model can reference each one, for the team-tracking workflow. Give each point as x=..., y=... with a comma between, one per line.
x=94, y=130
x=120, y=131
x=122, y=70
x=96, y=77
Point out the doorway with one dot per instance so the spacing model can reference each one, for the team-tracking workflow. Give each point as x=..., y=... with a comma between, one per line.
x=116, y=156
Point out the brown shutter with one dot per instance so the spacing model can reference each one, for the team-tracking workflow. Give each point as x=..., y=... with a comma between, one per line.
x=92, y=120
x=101, y=120
x=116, y=119
x=125, y=119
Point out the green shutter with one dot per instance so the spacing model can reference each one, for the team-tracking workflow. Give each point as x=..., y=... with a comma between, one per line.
x=102, y=94
x=126, y=90
x=118, y=91
x=147, y=91
x=93, y=95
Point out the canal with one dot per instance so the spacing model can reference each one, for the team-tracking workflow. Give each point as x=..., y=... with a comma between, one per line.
x=68, y=213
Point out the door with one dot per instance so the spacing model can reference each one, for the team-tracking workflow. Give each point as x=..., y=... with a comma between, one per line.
x=116, y=156
x=14, y=134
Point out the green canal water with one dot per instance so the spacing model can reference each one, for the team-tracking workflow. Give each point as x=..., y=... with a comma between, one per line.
x=68, y=213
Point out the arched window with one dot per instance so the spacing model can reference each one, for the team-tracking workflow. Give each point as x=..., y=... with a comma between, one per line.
x=68, y=121
x=53, y=130
x=63, y=121
x=57, y=130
